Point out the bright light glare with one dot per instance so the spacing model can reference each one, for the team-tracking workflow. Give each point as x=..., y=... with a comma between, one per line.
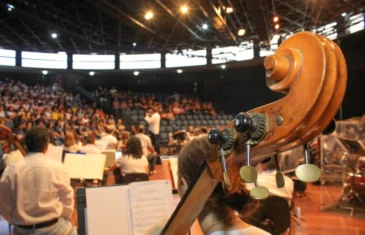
x=179, y=71
x=149, y=15
x=277, y=26
x=205, y=26
x=44, y=72
x=92, y=73
x=241, y=32
x=229, y=10
x=343, y=14
x=134, y=44
x=223, y=66
x=136, y=73
x=10, y=7
x=184, y=9
x=54, y=35
x=275, y=19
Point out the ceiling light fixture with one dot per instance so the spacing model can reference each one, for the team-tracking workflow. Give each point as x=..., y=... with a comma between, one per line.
x=135, y=73
x=275, y=19
x=149, y=15
x=44, y=72
x=241, y=32
x=205, y=26
x=134, y=44
x=223, y=66
x=229, y=10
x=92, y=73
x=54, y=35
x=179, y=71
x=184, y=9
x=344, y=14
x=277, y=26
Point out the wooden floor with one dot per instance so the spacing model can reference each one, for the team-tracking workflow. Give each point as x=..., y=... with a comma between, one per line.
x=316, y=221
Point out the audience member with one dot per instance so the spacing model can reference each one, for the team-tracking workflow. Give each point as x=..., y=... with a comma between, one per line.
x=90, y=147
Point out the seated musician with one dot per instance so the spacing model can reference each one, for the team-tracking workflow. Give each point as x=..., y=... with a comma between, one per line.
x=35, y=192
x=218, y=216
x=133, y=160
x=267, y=178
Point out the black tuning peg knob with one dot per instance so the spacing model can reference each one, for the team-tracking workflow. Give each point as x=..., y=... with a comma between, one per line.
x=216, y=137
x=244, y=123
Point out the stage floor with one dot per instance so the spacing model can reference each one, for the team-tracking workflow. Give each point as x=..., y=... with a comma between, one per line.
x=315, y=221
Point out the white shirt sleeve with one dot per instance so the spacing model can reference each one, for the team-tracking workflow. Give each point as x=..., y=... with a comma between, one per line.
x=6, y=200
x=66, y=193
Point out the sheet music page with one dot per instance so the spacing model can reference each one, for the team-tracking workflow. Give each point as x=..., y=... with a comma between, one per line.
x=108, y=210
x=173, y=168
x=150, y=202
x=74, y=164
x=94, y=166
x=55, y=152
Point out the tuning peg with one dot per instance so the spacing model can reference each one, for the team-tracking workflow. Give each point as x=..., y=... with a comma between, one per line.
x=227, y=182
x=248, y=173
x=243, y=122
x=280, y=182
x=259, y=192
x=216, y=137
x=307, y=172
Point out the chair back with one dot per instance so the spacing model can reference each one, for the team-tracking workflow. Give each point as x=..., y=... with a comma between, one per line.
x=134, y=177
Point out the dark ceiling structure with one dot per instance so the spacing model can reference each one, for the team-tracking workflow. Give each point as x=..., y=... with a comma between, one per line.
x=115, y=26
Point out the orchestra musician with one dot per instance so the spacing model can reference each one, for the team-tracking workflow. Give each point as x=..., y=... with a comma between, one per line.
x=218, y=216
x=35, y=192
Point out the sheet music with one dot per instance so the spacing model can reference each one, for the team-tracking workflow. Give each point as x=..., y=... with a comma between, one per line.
x=55, y=152
x=74, y=164
x=150, y=202
x=94, y=166
x=108, y=210
x=173, y=168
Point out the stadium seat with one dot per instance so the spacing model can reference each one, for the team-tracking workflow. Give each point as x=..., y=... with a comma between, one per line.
x=201, y=117
x=198, y=123
x=182, y=117
x=222, y=122
x=204, y=122
x=141, y=112
x=208, y=117
x=185, y=123
x=172, y=122
x=224, y=116
x=216, y=122
x=230, y=117
x=164, y=123
x=210, y=122
x=189, y=117
x=164, y=136
x=135, y=117
x=191, y=122
x=141, y=117
x=134, y=112
x=178, y=122
x=162, y=129
x=184, y=128
x=195, y=117
x=143, y=122
x=169, y=129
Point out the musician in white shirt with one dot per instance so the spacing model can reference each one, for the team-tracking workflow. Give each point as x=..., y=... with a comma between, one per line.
x=90, y=147
x=110, y=139
x=153, y=119
x=35, y=192
x=147, y=149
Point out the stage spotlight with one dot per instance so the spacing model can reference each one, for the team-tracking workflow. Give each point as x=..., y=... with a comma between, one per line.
x=229, y=10
x=223, y=66
x=135, y=73
x=344, y=14
x=275, y=19
x=184, y=9
x=44, y=72
x=277, y=26
x=134, y=44
x=92, y=73
x=149, y=15
x=179, y=71
x=205, y=26
x=241, y=32
x=54, y=35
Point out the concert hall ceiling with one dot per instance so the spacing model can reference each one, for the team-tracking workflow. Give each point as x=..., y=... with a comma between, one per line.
x=115, y=26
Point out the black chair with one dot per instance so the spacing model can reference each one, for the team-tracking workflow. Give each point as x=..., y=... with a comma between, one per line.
x=201, y=117
x=204, y=122
x=141, y=117
x=164, y=136
x=162, y=129
x=195, y=117
x=134, y=117
x=273, y=215
x=182, y=117
x=189, y=117
x=191, y=123
x=185, y=123
x=135, y=177
x=172, y=122
x=164, y=123
x=222, y=122
x=208, y=117
x=198, y=122
x=178, y=122
x=141, y=112
x=169, y=129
